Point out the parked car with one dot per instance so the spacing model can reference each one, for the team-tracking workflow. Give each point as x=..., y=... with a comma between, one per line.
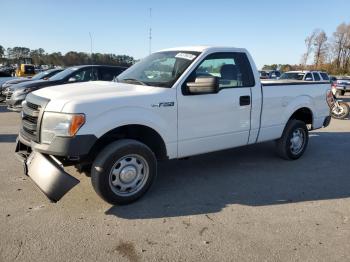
x=263, y=74
x=7, y=71
x=15, y=94
x=4, y=74
x=341, y=86
x=306, y=76
x=152, y=111
x=269, y=74
x=45, y=75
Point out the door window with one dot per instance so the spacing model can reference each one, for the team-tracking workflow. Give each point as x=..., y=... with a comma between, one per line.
x=232, y=69
x=324, y=76
x=308, y=77
x=316, y=76
x=84, y=75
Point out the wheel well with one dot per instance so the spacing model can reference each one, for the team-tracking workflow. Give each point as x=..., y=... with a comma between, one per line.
x=303, y=114
x=141, y=133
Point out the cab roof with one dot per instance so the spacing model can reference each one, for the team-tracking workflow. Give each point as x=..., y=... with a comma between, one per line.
x=204, y=48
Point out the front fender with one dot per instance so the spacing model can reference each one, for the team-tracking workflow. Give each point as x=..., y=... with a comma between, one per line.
x=163, y=121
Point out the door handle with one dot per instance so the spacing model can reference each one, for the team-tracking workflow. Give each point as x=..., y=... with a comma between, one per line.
x=244, y=100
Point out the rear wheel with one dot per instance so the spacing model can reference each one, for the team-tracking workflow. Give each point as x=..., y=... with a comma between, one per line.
x=294, y=140
x=123, y=171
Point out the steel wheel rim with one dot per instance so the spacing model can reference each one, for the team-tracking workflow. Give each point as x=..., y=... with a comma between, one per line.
x=297, y=141
x=128, y=175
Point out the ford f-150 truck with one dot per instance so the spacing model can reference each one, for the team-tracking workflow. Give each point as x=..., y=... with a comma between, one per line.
x=173, y=104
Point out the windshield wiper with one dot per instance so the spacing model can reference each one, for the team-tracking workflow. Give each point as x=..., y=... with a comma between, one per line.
x=134, y=80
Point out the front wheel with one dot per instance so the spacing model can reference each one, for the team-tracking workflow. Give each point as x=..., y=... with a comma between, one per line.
x=123, y=171
x=340, y=111
x=294, y=140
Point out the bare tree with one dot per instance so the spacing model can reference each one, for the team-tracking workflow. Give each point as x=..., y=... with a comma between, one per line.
x=309, y=47
x=339, y=40
x=320, y=48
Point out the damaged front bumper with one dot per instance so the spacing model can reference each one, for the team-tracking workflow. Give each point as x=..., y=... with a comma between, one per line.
x=46, y=172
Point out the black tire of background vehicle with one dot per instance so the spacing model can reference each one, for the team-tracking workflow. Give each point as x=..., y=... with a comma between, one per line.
x=342, y=92
x=345, y=112
x=284, y=144
x=104, y=162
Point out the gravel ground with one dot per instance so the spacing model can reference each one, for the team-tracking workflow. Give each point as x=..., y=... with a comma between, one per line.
x=244, y=204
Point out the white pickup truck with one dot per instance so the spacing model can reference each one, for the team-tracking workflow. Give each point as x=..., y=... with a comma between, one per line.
x=174, y=103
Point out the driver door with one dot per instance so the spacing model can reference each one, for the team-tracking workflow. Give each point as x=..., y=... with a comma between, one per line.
x=210, y=122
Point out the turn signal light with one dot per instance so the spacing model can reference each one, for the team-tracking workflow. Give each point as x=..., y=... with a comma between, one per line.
x=76, y=123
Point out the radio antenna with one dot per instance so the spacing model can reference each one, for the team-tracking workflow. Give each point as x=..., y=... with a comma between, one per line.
x=150, y=30
x=91, y=47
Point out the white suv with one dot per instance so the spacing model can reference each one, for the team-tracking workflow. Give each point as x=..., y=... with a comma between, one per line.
x=305, y=76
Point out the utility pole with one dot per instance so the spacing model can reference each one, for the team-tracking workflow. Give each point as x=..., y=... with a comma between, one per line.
x=150, y=30
x=90, y=47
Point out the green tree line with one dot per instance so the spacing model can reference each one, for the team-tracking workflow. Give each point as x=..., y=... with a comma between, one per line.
x=40, y=57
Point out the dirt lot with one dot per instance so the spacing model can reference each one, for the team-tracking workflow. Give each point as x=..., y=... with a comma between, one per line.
x=244, y=204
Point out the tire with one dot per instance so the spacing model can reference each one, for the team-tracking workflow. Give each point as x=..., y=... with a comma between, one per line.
x=123, y=171
x=294, y=140
x=341, y=112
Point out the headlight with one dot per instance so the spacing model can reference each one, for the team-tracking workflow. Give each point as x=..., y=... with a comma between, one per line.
x=23, y=91
x=60, y=124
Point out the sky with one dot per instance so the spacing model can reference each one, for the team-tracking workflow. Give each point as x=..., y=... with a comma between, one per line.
x=273, y=31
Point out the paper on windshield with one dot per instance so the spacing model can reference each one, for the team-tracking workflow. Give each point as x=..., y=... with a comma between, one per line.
x=185, y=56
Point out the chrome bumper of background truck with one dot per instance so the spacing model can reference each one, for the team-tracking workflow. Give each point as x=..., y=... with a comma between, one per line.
x=46, y=172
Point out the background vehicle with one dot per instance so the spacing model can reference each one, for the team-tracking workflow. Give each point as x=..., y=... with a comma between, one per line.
x=25, y=68
x=269, y=74
x=4, y=74
x=7, y=71
x=341, y=86
x=263, y=74
x=305, y=76
x=174, y=103
x=45, y=75
x=15, y=94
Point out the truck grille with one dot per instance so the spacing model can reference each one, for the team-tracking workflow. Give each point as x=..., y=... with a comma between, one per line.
x=29, y=122
x=31, y=117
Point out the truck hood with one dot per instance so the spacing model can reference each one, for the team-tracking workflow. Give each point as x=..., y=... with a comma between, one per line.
x=88, y=92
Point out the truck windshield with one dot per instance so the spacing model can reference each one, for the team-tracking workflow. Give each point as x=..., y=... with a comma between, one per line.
x=293, y=76
x=160, y=69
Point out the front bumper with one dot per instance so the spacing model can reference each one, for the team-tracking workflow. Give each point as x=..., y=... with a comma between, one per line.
x=46, y=172
x=41, y=165
x=75, y=147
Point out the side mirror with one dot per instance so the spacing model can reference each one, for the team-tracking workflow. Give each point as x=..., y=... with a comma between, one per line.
x=204, y=85
x=72, y=79
x=308, y=79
